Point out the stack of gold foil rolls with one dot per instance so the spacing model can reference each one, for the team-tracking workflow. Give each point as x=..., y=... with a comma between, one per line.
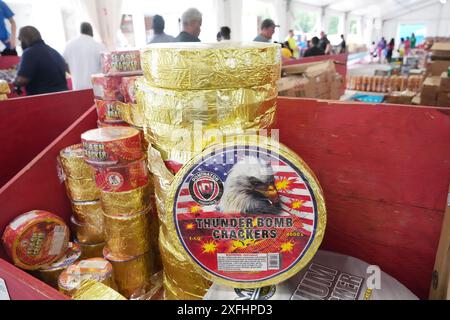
x=131, y=226
x=193, y=95
x=87, y=220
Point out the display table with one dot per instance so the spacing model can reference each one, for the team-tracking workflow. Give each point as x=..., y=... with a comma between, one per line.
x=384, y=171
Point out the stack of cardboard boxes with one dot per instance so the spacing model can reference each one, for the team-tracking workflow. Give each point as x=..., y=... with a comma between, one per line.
x=318, y=80
x=436, y=91
x=440, y=56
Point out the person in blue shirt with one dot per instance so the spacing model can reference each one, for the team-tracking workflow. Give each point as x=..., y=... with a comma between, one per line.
x=9, y=40
x=42, y=69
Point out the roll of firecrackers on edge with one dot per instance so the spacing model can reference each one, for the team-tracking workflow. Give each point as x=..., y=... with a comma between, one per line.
x=51, y=273
x=89, y=251
x=36, y=239
x=99, y=269
x=265, y=72
x=121, y=62
x=92, y=290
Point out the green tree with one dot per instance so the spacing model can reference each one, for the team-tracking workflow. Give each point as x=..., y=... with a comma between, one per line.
x=305, y=21
x=333, y=25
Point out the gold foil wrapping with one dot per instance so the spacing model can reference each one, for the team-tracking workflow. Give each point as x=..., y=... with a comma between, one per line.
x=82, y=190
x=173, y=292
x=73, y=164
x=88, y=212
x=96, y=291
x=179, y=269
x=133, y=275
x=89, y=251
x=132, y=114
x=89, y=233
x=128, y=235
x=207, y=66
x=224, y=107
x=126, y=203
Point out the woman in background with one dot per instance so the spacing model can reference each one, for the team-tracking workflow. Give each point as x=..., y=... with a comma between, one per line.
x=390, y=50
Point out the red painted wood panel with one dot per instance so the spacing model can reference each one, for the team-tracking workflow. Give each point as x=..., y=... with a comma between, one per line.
x=8, y=62
x=28, y=125
x=22, y=286
x=385, y=171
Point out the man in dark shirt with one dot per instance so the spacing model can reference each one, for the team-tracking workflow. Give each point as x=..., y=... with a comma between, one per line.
x=323, y=42
x=315, y=50
x=42, y=69
x=192, y=22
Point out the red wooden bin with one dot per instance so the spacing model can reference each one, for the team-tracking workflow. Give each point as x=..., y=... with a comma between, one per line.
x=384, y=170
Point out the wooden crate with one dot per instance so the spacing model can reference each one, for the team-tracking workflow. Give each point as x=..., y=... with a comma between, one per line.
x=385, y=171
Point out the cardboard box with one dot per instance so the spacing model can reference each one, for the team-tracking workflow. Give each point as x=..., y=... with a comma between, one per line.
x=443, y=99
x=429, y=92
x=445, y=83
x=416, y=100
x=435, y=68
x=397, y=97
x=441, y=50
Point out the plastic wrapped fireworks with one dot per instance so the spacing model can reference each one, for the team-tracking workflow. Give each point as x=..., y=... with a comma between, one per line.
x=107, y=88
x=89, y=251
x=121, y=62
x=132, y=273
x=108, y=111
x=71, y=279
x=126, y=203
x=209, y=66
x=51, y=273
x=128, y=88
x=89, y=233
x=36, y=239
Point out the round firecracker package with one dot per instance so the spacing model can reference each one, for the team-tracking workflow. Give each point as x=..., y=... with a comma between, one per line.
x=51, y=273
x=108, y=111
x=114, y=145
x=248, y=213
x=91, y=250
x=122, y=178
x=121, y=62
x=36, y=239
x=101, y=124
x=128, y=89
x=91, y=269
x=72, y=164
x=107, y=88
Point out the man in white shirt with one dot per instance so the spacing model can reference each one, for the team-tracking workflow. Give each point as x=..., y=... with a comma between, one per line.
x=82, y=55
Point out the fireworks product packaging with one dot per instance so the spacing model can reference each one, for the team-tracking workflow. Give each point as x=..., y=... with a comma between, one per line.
x=121, y=62
x=89, y=233
x=107, y=88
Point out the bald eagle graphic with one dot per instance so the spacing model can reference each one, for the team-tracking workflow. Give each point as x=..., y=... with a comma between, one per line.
x=250, y=189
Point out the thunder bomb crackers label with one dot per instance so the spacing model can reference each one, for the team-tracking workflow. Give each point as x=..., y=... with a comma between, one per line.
x=248, y=215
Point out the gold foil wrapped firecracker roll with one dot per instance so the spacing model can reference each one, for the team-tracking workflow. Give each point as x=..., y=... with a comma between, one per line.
x=235, y=107
x=36, y=239
x=89, y=233
x=89, y=251
x=82, y=190
x=194, y=66
x=180, y=270
x=95, y=291
x=107, y=88
x=3, y=97
x=88, y=212
x=132, y=274
x=4, y=87
x=122, y=177
x=98, y=269
x=51, y=273
x=132, y=113
x=128, y=235
x=73, y=164
x=101, y=124
x=121, y=62
x=173, y=292
x=108, y=111
x=126, y=203
x=114, y=145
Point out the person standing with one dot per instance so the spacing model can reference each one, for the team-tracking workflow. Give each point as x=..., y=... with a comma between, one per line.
x=225, y=32
x=315, y=49
x=407, y=46
x=343, y=45
x=192, y=23
x=267, y=31
x=390, y=50
x=380, y=48
x=324, y=43
x=401, y=48
x=8, y=39
x=293, y=44
x=42, y=69
x=159, y=35
x=413, y=41
x=82, y=55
